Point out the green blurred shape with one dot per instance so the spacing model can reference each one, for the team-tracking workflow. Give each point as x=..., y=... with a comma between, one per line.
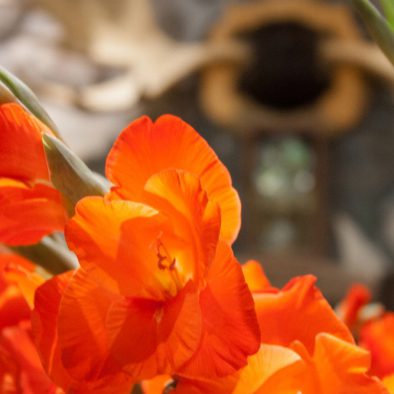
x=49, y=254
x=378, y=26
x=25, y=95
x=69, y=174
x=5, y=95
x=388, y=8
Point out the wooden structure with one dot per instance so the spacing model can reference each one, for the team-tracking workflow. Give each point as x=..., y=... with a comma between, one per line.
x=305, y=76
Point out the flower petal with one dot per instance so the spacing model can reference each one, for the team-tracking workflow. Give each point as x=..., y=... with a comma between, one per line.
x=21, y=152
x=118, y=237
x=44, y=324
x=28, y=213
x=145, y=148
x=230, y=330
x=152, y=338
x=23, y=362
x=255, y=276
x=178, y=195
x=342, y=367
x=377, y=336
x=297, y=312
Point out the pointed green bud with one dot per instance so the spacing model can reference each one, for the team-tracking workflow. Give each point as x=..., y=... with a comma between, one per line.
x=69, y=174
x=378, y=26
x=26, y=97
x=49, y=254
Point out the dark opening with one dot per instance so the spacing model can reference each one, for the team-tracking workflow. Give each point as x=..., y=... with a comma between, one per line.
x=285, y=71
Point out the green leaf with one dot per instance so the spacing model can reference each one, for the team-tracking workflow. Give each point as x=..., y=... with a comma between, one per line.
x=25, y=95
x=69, y=174
x=378, y=26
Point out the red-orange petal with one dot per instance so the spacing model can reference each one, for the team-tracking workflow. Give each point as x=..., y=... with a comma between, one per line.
x=20, y=364
x=357, y=296
x=297, y=312
x=145, y=148
x=266, y=370
x=21, y=273
x=151, y=338
x=52, y=307
x=15, y=293
x=119, y=238
x=44, y=324
x=377, y=336
x=255, y=276
x=230, y=329
x=21, y=151
x=342, y=367
x=336, y=367
x=28, y=213
x=193, y=218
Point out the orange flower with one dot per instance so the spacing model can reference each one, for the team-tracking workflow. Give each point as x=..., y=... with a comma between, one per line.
x=265, y=370
x=20, y=367
x=298, y=312
x=299, y=353
x=335, y=367
x=145, y=148
x=378, y=337
x=159, y=290
x=30, y=207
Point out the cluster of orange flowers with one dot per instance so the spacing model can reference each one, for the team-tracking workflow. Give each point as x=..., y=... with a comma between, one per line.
x=158, y=303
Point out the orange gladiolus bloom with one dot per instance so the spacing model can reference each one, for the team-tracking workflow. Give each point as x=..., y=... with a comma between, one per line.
x=336, y=367
x=20, y=366
x=378, y=337
x=30, y=207
x=299, y=353
x=145, y=148
x=298, y=312
x=159, y=290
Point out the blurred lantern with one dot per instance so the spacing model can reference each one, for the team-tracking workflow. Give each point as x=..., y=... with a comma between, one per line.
x=303, y=77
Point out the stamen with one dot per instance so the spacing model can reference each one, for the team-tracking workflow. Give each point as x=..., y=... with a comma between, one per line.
x=164, y=259
x=167, y=262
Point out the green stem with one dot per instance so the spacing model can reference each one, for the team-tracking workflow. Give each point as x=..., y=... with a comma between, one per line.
x=377, y=26
x=51, y=255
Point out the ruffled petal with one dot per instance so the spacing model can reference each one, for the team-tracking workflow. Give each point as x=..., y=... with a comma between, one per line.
x=297, y=312
x=230, y=329
x=194, y=219
x=28, y=213
x=341, y=367
x=145, y=148
x=377, y=336
x=151, y=338
x=22, y=154
x=255, y=276
x=21, y=273
x=20, y=364
x=44, y=324
x=61, y=318
x=119, y=237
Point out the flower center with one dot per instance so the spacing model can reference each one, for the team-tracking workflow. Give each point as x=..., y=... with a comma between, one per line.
x=167, y=263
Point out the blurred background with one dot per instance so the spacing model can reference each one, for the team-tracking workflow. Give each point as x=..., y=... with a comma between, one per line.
x=292, y=95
